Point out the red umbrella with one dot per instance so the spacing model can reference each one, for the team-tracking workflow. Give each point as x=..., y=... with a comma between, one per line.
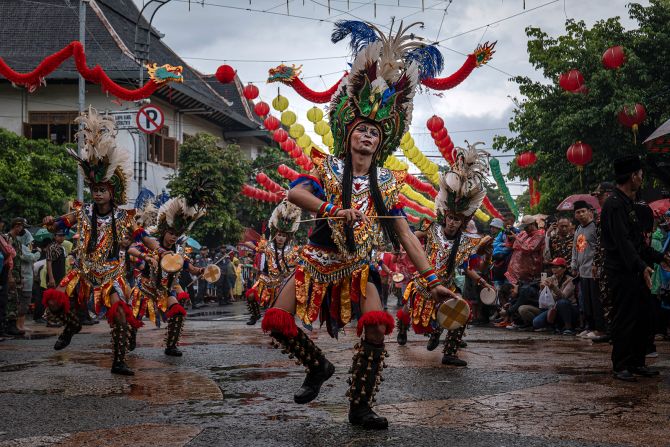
x=568, y=203
x=659, y=207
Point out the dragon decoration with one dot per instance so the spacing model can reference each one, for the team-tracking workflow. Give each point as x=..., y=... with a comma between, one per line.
x=158, y=75
x=290, y=75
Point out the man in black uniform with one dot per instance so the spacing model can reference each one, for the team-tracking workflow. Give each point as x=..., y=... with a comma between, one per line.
x=627, y=265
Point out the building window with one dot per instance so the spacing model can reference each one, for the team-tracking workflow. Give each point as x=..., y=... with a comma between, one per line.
x=57, y=127
x=163, y=149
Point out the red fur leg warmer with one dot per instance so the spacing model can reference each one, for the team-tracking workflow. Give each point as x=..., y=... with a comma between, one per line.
x=376, y=318
x=403, y=317
x=183, y=296
x=57, y=297
x=130, y=319
x=175, y=309
x=278, y=320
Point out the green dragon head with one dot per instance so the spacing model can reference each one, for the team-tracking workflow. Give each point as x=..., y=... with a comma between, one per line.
x=284, y=73
x=165, y=73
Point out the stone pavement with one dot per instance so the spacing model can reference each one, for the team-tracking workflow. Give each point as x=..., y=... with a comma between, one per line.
x=232, y=389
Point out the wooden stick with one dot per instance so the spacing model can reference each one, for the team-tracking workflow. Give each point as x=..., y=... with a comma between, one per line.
x=338, y=218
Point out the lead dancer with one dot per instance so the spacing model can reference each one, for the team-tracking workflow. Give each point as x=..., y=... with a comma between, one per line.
x=448, y=248
x=358, y=200
x=276, y=259
x=101, y=225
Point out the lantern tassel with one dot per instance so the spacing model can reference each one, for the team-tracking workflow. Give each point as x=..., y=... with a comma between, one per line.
x=580, y=169
x=635, y=129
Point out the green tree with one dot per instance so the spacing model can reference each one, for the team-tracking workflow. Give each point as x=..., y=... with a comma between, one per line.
x=226, y=169
x=255, y=214
x=548, y=120
x=37, y=178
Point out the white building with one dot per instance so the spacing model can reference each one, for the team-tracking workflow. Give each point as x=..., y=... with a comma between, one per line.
x=33, y=30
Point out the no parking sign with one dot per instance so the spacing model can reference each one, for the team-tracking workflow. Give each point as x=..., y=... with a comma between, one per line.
x=150, y=119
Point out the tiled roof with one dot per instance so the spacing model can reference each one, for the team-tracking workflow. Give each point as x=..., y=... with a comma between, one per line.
x=33, y=29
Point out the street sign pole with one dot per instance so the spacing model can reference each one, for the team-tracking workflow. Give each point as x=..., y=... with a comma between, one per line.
x=82, y=96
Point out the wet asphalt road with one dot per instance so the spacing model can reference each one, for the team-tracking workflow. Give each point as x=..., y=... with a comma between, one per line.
x=232, y=388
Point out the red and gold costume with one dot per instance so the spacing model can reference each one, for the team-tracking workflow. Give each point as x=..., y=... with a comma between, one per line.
x=275, y=266
x=330, y=280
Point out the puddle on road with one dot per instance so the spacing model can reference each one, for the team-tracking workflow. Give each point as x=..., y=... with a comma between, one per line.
x=19, y=366
x=237, y=374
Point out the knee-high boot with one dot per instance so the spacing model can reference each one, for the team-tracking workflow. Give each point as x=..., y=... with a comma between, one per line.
x=254, y=311
x=366, y=370
x=175, y=315
x=434, y=339
x=451, y=344
x=120, y=341
x=71, y=326
x=403, y=326
x=294, y=342
x=132, y=344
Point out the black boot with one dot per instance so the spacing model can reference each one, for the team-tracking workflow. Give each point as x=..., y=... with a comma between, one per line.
x=434, y=340
x=175, y=326
x=120, y=341
x=306, y=353
x=132, y=344
x=402, y=332
x=452, y=342
x=366, y=375
x=71, y=325
x=254, y=312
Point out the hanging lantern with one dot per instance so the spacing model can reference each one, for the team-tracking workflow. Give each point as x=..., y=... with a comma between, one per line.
x=580, y=154
x=262, y=109
x=271, y=123
x=280, y=103
x=314, y=115
x=296, y=152
x=288, y=145
x=440, y=134
x=261, y=178
x=435, y=123
x=304, y=141
x=328, y=139
x=288, y=118
x=225, y=74
x=250, y=92
x=296, y=131
x=632, y=117
x=321, y=128
x=571, y=80
x=526, y=159
x=280, y=135
x=614, y=57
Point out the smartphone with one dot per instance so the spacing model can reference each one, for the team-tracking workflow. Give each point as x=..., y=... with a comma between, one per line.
x=543, y=276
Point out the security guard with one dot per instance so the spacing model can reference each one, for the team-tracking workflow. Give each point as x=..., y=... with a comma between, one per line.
x=627, y=266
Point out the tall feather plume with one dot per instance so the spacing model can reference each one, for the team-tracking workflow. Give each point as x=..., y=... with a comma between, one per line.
x=361, y=34
x=285, y=217
x=429, y=59
x=462, y=187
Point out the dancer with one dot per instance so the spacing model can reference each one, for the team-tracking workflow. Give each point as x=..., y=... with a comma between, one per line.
x=157, y=294
x=276, y=258
x=358, y=204
x=99, y=273
x=448, y=247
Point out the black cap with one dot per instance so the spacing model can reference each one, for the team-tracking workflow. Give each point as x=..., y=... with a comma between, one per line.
x=580, y=204
x=627, y=165
x=18, y=221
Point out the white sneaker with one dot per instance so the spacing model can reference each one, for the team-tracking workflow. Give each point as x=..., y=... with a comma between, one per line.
x=652, y=355
x=591, y=335
x=583, y=333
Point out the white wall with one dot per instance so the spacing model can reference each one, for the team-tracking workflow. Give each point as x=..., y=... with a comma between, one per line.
x=15, y=103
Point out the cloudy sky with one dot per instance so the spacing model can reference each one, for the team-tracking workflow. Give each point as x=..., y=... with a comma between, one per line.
x=224, y=31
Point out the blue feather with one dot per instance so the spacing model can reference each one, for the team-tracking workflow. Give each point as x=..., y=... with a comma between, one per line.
x=387, y=94
x=430, y=61
x=161, y=198
x=361, y=34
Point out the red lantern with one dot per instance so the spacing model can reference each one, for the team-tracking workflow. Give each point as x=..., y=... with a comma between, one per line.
x=225, y=74
x=614, y=57
x=271, y=123
x=435, y=123
x=527, y=159
x=280, y=135
x=440, y=134
x=632, y=116
x=262, y=109
x=445, y=142
x=250, y=92
x=580, y=154
x=571, y=81
x=261, y=178
x=288, y=145
x=296, y=152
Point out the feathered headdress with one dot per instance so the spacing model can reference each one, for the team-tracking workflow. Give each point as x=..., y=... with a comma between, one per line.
x=462, y=187
x=382, y=83
x=285, y=218
x=147, y=216
x=180, y=213
x=101, y=160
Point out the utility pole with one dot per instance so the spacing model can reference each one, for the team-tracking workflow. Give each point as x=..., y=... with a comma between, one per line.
x=82, y=96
